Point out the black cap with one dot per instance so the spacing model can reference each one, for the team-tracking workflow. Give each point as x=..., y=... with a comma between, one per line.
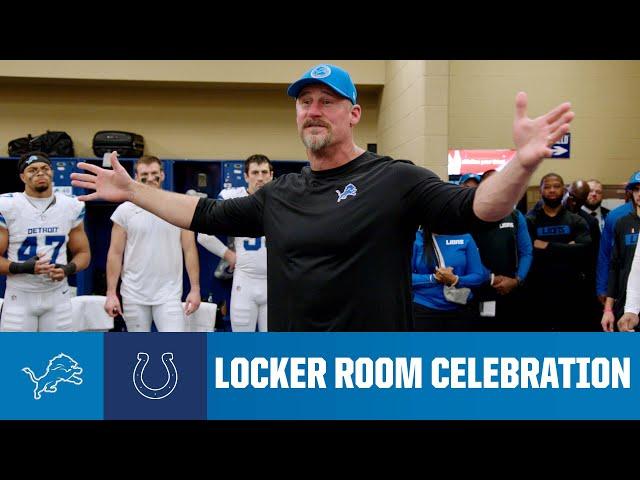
x=31, y=158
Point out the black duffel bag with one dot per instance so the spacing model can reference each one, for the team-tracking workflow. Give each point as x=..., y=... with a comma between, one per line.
x=54, y=144
x=127, y=144
x=19, y=146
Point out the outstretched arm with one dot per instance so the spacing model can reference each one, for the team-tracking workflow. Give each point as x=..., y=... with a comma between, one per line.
x=117, y=186
x=239, y=216
x=497, y=195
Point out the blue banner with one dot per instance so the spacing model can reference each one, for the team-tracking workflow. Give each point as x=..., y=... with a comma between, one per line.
x=320, y=376
x=424, y=376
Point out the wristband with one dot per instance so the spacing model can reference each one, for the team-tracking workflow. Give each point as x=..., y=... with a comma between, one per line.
x=24, y=267
x=69, y=269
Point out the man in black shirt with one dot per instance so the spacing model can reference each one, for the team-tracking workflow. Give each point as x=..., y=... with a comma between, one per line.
x=561, y=244
x=576, y=198
x=506, y=252
x=340, y=233
x=590, y=308
x=625, y=240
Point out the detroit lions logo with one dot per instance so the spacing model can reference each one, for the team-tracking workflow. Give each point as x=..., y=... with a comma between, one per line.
x=150, y=392
x=321, y=71
x=348, y=190
x=553, y=230
x=61, y=368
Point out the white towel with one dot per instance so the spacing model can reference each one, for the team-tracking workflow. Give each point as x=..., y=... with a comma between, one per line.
x=203, y=320
x=89, y=315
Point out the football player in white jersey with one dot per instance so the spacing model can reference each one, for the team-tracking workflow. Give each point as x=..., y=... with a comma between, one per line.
x=152, y=271
x=249, y=289
x=38, y=226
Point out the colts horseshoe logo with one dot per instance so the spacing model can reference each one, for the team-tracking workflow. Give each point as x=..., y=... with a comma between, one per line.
x=155, y=393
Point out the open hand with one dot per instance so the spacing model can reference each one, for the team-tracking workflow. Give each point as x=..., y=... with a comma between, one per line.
x=534, y=136
x=111, y=185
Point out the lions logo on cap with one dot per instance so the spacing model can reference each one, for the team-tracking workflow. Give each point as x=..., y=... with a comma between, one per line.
x=321, y=71
x=31, y=159
x=637, y=177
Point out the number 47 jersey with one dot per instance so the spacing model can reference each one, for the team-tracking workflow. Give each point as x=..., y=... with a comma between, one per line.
x=33, y=230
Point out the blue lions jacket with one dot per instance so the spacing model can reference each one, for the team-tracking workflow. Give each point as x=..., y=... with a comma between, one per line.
x=459, y=252
x=606, y=244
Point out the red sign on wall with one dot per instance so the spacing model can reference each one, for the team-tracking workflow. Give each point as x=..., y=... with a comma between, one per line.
x=477, y=161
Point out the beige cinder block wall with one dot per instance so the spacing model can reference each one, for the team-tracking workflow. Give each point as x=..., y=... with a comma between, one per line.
x=413, y=114
x=220, y=110
x=364, y=72
x=605, y=95
x=428, y=107
x=229, y=109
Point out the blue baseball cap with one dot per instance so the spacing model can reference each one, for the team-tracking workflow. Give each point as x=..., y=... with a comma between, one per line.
x=469, y=176
x=336, y=78
x=633, y=180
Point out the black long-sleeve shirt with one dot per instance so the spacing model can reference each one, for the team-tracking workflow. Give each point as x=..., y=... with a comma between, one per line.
x=561, y=261
x=339, y=241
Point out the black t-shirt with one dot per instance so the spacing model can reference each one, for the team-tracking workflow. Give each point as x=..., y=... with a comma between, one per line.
x=339, y=241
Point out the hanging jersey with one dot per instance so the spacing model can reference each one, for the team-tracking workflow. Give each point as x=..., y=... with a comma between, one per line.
x=251, y=253
x=152, y=269
x=34, y=230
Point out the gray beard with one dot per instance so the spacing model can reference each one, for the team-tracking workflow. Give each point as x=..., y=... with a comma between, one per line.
x=316, y=143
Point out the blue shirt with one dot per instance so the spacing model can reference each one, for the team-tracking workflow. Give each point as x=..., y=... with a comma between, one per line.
x=459, y=252
x=606, y=244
